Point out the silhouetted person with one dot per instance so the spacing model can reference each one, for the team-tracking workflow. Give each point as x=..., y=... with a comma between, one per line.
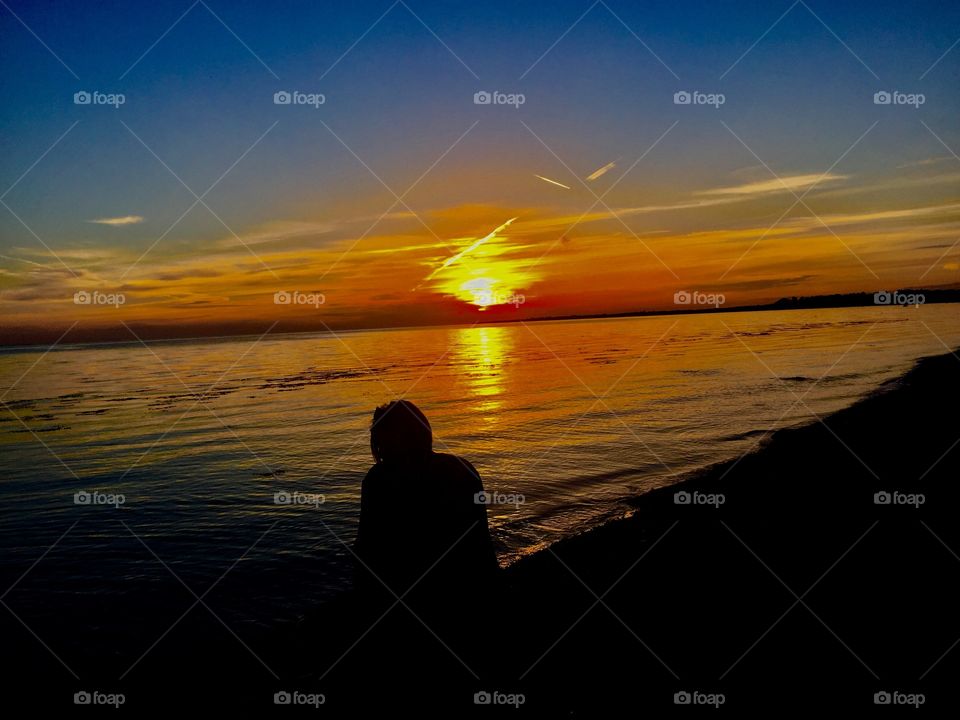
x=423, y=537
x=421, y=524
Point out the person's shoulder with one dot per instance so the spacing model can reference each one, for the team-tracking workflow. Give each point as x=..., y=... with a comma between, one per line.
x=378, y=484
x=456, y=466
x=373, y=476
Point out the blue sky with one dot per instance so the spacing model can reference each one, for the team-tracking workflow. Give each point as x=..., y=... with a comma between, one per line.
x=598, y=79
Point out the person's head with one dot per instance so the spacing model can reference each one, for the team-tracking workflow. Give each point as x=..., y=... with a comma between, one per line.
x=400, y=432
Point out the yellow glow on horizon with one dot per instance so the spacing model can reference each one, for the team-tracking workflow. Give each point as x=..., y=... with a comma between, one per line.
x=484, y=274
x=486, y=282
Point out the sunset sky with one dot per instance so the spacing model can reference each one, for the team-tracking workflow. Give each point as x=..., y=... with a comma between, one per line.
x=399, y=201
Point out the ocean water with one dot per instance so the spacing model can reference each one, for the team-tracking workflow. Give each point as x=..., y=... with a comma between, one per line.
x=199, y=437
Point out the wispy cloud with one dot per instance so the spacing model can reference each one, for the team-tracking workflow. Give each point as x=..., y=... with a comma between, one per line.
x=117, y=221
x=926, y=161
x=280, y=232
x=775, y=185
x=947, y=210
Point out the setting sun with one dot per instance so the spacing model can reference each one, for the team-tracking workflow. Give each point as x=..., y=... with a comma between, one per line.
x=486, y=272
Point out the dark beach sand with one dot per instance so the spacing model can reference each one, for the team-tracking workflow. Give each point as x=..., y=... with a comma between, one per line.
x=797, y=591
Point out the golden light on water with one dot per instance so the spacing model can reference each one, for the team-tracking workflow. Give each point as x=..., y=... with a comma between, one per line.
x=482, y=353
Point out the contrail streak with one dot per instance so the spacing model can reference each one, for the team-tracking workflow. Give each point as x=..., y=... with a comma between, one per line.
x=552, y=182
x=473, y=246
x=602, y=171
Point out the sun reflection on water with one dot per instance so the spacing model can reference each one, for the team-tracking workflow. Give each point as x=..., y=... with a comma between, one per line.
x=482, y=353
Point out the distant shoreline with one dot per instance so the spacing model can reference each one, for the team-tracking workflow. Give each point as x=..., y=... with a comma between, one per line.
x=932, y=296
x=814, y=302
